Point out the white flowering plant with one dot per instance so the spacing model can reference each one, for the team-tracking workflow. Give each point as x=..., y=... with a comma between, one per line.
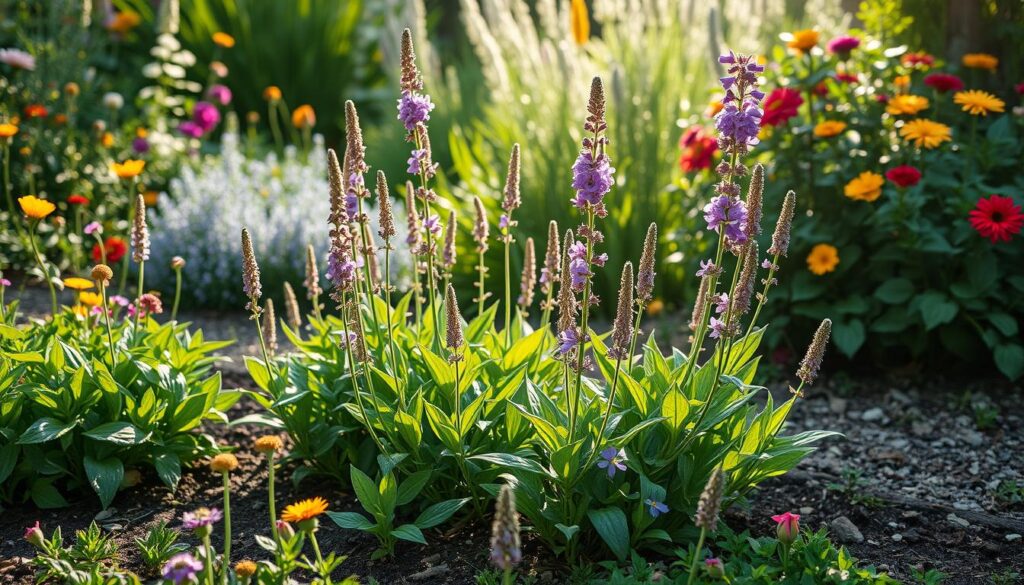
x=609, y=444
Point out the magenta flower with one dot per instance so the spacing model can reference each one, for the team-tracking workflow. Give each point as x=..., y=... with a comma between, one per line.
x=5, y=282
x=34, y=534
x=140, y=145
x=190, y=129
x=788, y=528
x=714, y=567
x=613, y=461
x=219, y=93
x=206, y=116
x=843, y=45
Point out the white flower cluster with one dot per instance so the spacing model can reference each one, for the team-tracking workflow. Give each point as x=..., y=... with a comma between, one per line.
x=285, y=205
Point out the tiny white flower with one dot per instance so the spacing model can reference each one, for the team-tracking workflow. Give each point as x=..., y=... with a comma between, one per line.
x=113, y=100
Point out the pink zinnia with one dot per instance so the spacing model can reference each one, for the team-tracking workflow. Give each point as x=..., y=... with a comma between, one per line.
x=943, y=82
x=842, y=45
x=780, y=106
x=788, y=527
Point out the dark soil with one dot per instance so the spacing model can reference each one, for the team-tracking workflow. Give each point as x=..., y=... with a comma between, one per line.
x=926, y=498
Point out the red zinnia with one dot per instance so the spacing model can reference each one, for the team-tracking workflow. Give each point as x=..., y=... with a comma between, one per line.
x=915, y=59
x=821, y=89
x=116, y=249
x=1019, y=88
x=36, y=111
x=903, y=176
x=76, y=199
x=846, y=77
x=943, y=82
x=996, y=218
x=781, y=105
x=698, y=146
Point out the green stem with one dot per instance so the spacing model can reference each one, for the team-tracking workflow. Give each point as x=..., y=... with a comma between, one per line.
x=227, y=528
x=177, y=293
x=636, y=334
x=430, y=247
x=696, y=557
x=482, y=270
x=138, y=297
x=110, y=335
x=507, y=579
x=42, y=268
x=270, y=494
x=209, y=558
x=584, y=319
x=321, y=569
x=508, y=284
x=123, y=280
x=391, y=328
x=350, y=358
x=275, y=128
x=263, y=343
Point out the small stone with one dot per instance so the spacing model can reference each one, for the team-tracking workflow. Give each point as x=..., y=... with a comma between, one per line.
x=899, y=443
x=957, y=521
x=872, y=415
x=897, y=537
x=974, y=438
x=846, y=531
x=837, y=405
x=1013, y=537
x=806, y=510
x=429, y=572
x=432, y=559
x=104, y=514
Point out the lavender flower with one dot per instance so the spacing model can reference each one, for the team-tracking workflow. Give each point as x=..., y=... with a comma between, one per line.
x=655, y=508
x=200, y=518
x=741, y=124
x=718, y=327
x=414, y=109
x=568, y=340
x=708, y=268
x=433, y=224
x=181, y=568
x=728, y=213
x=613, y=461
x=592, y=179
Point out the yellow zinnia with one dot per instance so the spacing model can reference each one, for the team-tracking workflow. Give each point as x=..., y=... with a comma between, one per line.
x=80, y=312
x=224, y=39
x=980, y=61
x=866, y=187
x=979, y=103
x=304, y=510
x=925, y=133
x=129, y=168
x=906, y=105
x=829, y=128
x=901, y=81
x=823, y=259
x=803, y=40
x=76, y=283
x=304, y=116
x=89, y=299
x=123, y=22
x=272, y=93
x=579, y=21
x=35, y=207
x=8, y=130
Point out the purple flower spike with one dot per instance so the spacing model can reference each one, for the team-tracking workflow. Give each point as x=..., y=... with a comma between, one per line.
x=591, y=178
x=730, y=213
x=655, y=508
x=612, y=460
x=414, y=109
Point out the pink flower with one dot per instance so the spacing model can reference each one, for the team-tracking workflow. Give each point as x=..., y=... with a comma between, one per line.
x=18, y=59
x=788, y=528
x=842, y=45
x=94, y=227
x=714, y=567
x=34, y=535
x=219, y=93
x=206, y=116
x=190, y=129
x=5, y=282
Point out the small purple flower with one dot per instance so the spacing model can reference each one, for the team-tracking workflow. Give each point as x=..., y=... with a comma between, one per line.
x=655, y=508
x=351, y=204
x=140, y=145
x=200, y=517
x=612, y=460
x=182, y=568
x=706, y=267
x=721, y=303
x=119, y=300
x=503, y=221
x=219, y=93
x=717, y=327
x=568, y=339
x=578, y=251
x=416, y=161
x=414, y=109
x=579, y=272
x=729, y=212
x=341, y=270
x=93, y=227
x=767, y=264
x=591, y=178
x=600, y=259
x=347, y=340
x=206, y=116
x=191, y=129
x=740, y=124
x=433, y=224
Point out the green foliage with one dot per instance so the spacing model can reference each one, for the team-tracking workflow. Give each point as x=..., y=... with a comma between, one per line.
x=90, y=560
x=914, y=280
x=70, y=422
x=929, y=577
x=381, y=501
x=159, y=545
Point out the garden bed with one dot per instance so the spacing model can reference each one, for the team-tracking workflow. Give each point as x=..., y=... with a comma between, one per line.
x=926, y=497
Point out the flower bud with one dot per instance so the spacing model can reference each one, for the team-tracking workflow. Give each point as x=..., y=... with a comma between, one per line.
x=177, y=263
x=788, y=528
x=285, y=530
x=34, y=536
x=715, y=568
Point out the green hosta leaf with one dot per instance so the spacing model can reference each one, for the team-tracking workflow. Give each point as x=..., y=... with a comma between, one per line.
x=895, y=290
x=1004, y=323
x=45, y=496
x=351, y=520
x=410, y=533
x=120, y=433
x=105, y=477
x=8, y=459
x=567, y=531
x=848, y=336
x=611, y=524
x=409, y=429
x=168, y=467
x=523, y=350
x=258, y=370
x=388, y=491
x=45, y=429
x=936, y=309
x=1010, y=360
x=28, y=357
x=439, y=513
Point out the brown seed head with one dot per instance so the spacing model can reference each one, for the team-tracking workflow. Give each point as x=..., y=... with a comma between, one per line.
x=702, y=299
x=512, y=198
x=312, y=282
x=387, y=218
x=177, y=263
x=755, y=202
x=410, y=74
x=140, y=232
x=250, y=274
x=355, y=152
x=291, y=307
x=529, y=278
x=811, y=363
x=336, y=187
x=448, y=252
x=480, y=227
x=622, y=330
x=270, y=326
x=710, y=501
x=454, y=339
x=102, y=274
x=744, y=289
x=645, y=275
x=780, y=239
x=412, y=238
x=506, y=549
x=566, y=298
x=595, y=107
x=268, y=444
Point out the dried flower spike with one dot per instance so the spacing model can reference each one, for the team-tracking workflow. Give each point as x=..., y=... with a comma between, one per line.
x=387, y=218
x=622, y=331
x=710, y=501
x=529, y=277
x=412, y=217
x=312, y=282
x=566, y=297
x=480, y=227
x=744, y=289
x=140, y=233
x=250, y=274
x=512, y=198
x=815, y=353
x=697, y=317
x=453, y=321
x=506, y=550
x=550, y=272
x=336, y=188
x=291, y=307
x=270, y=326
x=448, y=252
x=755, y=202
x=410, y=74
x=780, y=239
x=645, y=274
x=355, y=151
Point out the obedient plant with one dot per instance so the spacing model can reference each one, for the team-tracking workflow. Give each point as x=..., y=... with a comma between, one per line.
x=601, y=437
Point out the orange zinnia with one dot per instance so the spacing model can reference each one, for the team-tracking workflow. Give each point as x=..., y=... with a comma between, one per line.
x=272, y=93
x=304, y=116
x=8, y=130
x=803, y=40
x=304, y=510
x=223, y=39
x=980, y=61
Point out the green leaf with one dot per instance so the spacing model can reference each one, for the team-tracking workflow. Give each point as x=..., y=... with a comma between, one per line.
x=105, y=477
x=512, y=461
x=848, y=336
x=351, y=520
x=45, y=429
x=412, y=486
x=258, y=370
x=8, y=459
x=1010, y=360
x=366, y=491
x=567, y=531
x=611, y=524
x=675, y=408
x=1004, y=323
x=895, y=290
x=936, y=309
x=439, y=513
x=120, y=433
x=410, y=533
x=45, y=496
x=168, y=467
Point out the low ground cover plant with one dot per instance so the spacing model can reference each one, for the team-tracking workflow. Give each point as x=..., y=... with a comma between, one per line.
x=604, y=439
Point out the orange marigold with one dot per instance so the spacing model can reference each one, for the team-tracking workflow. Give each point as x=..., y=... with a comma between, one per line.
x=304, y=510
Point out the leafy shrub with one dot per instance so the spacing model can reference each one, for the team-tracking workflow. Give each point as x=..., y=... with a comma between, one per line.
x=891, y=245
x=615, y=454
x=282, y=202
x=68, y=422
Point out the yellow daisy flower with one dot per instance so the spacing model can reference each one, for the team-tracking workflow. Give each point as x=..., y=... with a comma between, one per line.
x=76, y=283
x=829, y=128
x=129, y=168
x=980, y=61
x=906, y=105
x=35, y=207
x=803, y=40
x=865, y=187
x=304, y=510
x=90, y=299
x=823, y=259
x=979, y=103
x=925, y=133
